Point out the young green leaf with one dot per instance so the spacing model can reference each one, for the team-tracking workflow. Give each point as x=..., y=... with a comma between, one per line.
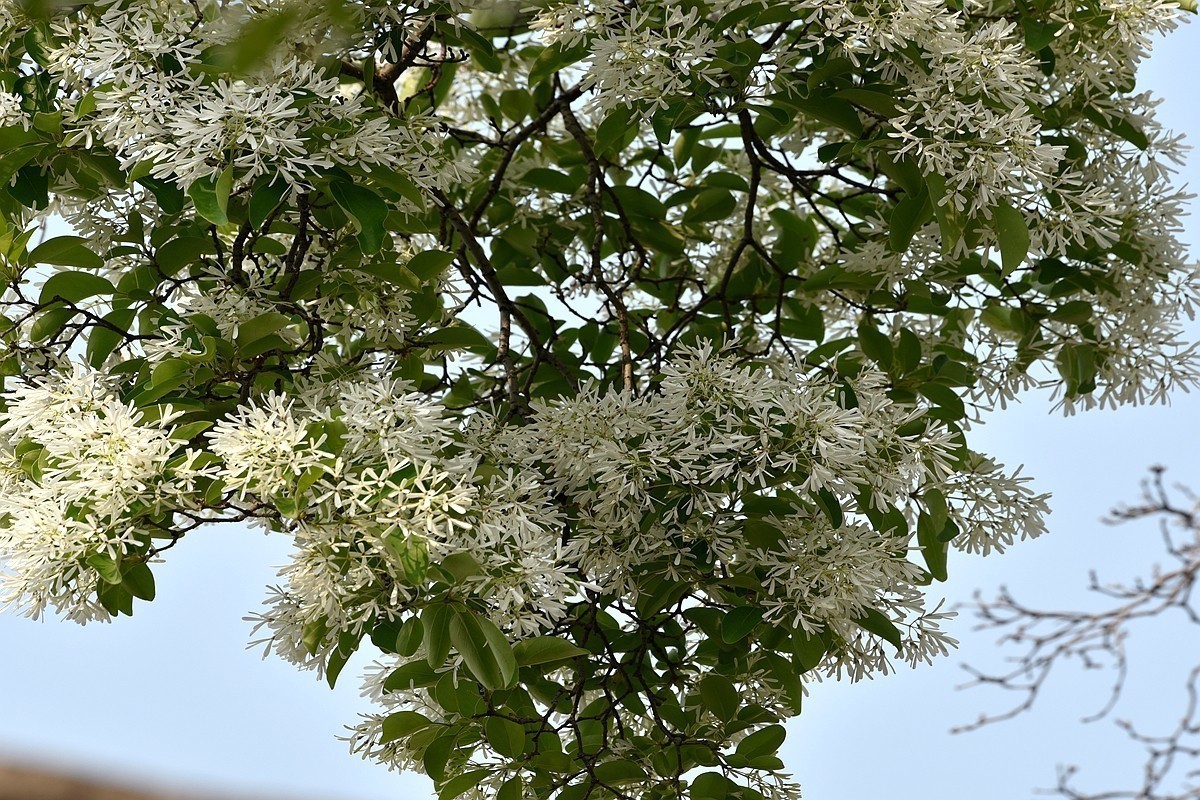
x=366, y=210
x=505, y=736
x=401, y=724
x=878, y=624
x=764, y=742
x=210, y=195
x=545, y=650
x=468, y=639
x=1012, y=234
x=66, y=251
x=720, y=696
x=435, y=620
x=738, y=623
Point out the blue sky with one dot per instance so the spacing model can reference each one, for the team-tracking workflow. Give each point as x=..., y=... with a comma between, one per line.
x=172, y=698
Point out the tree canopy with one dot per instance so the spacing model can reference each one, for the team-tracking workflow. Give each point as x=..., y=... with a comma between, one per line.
x=608, y=363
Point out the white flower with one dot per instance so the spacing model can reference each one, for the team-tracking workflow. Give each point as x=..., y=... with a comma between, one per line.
x=11, y=112
x=266, y=448
x=82, y=475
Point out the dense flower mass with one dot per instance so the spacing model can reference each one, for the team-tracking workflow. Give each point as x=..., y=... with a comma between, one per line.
x=608, y=366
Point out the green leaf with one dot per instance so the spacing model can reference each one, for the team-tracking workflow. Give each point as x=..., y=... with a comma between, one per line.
x=738, y=623
x=1038, y=35
x=461, y=566
x=553, y=59
x=808, y=649
x=832, y=507
x=108, y=568
x=501, y=649
x=1012, y=233
x=50, y=323
x=260, y=327
x=552, y=180
x=385, y=632
x=168, y=194
x=402, y=724
x=710, y=205
x=944, y=397
x=935, y=506
x=256, y=40
x=710, y=786
x=545, y=650
x=878, y=624
x=102, y=341
x=312, y=634
x=347, y=644
x=459, y=784
x=836, y=112
x=435, y=619
x=408, y=640
x=211, y=196
x=1076, y=364
x=950, y=220
x=1119, y=125
x=413, y=554
x=413, y=675
x=457, y=337
x=615, y=131
x=265, y=198
x=803, y=320
x=763, y=742
x=366, y=210
x=637, y=202
x=166, y=375
x=185, y=433
x=882, y=103
x=1075, y=312
x=429, y=264
x=720, y=696
x=505, y=736
x=622, y=770
x=874, y=344
x=908, y=216
x=73, y=287
x=437, y=754
x=468, y=639
x=785, y=673
x=908, y=351
x=933, y=549
x=511, y=789
x=48, y=123
x=184, y=251
x=66, y=251
x=115, y=599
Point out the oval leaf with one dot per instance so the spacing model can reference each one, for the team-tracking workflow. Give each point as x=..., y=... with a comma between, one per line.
x=366, y=210
x=505, y=736
x=545, y=650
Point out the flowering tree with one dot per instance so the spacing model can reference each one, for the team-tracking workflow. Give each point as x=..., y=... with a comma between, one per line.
x=607, y=364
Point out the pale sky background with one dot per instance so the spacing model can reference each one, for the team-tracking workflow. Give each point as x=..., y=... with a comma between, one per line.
x=172, y=698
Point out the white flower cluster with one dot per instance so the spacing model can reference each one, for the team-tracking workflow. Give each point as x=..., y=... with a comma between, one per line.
x=863, y=30
x=83, y=476
x=968, y=119
x=637, y=54
x=389, y=491
x=11, y=112
x=1099, y=47
x=725, y=471
x=152, y=106
x=360, y=468
x=427, y=478
x=650, y=476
